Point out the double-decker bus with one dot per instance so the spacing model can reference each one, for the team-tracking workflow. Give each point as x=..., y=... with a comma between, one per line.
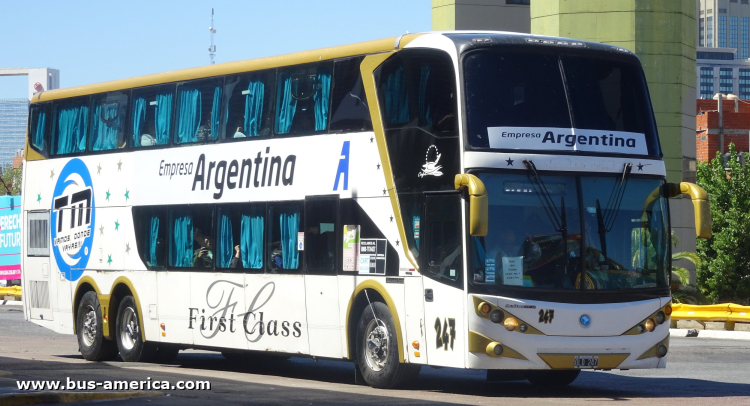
x=460, y=199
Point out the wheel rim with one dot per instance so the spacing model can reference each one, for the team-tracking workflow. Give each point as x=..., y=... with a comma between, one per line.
x=376, y=345
x=129, y=328
x=89, y=326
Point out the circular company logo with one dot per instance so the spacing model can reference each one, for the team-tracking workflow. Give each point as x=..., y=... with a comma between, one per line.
x=585, y=320
x=72, y=219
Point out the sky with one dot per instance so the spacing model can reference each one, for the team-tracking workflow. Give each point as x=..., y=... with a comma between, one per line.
x=97, y=41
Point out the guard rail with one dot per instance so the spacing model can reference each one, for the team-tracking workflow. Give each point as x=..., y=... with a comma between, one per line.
x=729, y=313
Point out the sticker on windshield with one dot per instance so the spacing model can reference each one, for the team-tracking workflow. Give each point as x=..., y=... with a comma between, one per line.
x=567, y=139
x=513, y=271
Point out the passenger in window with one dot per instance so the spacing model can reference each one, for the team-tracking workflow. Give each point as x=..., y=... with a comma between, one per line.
x=276, y=257
x=147, y=139
x=235, y=263
x=203, y=254
x=238, y=133
x=204, y=131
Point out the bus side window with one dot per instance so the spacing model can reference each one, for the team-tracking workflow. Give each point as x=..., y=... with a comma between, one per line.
x=151, y=235
x=39, y=126
x=239, y=237
x=320, y=235
x=443, y=242
x=303, y=99
x=198, y=116
x=192, y=243
x=151, y=116
x=284, y=225
x=71, y=126
x=349, y=110
x=108, y=120
x=249, y=99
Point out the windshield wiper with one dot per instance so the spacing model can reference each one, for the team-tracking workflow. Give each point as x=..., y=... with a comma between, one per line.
x=557, y=217
x=606, y=221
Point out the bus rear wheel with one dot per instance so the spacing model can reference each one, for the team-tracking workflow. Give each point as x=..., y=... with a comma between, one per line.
x=129, y=337
x=91, y=342
x=552, y=378
x=377, y=350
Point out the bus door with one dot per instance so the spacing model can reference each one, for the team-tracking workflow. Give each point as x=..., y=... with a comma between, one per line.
x=441, y=263
x=36, y=269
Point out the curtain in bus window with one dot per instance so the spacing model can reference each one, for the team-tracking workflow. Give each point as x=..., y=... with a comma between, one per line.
x=425, y=115
x=182, y=242
x=216, y=113
x=287, y=107
x=189, y=119
x=153, y=238
x=139, y=117
x=321, y=98
x=71, y=129
x=106, y=126
x=163, y=118
x=226, y=242
x=289, y=228
x=396, y=98
x=39, y=130
x=254, y=108
x=251, y=241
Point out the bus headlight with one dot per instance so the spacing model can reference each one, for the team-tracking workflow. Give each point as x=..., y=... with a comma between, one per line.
x=660, y=317
x=496, y=316
x=650, y=325
x=510, y=323
x=661, y=350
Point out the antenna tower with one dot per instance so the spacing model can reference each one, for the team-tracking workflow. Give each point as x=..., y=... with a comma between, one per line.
x=212, y=30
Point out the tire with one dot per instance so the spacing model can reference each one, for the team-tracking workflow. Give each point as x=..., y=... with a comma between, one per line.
x=128, y=333
x=552, y=378
x=91, y=342
x=377, y=350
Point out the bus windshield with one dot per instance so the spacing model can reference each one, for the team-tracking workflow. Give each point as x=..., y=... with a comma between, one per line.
x=524, y=92
x=565, y=232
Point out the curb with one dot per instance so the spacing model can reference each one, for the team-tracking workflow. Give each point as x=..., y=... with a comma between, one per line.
x=731, y=335
x=11, y=302
x=71, y=397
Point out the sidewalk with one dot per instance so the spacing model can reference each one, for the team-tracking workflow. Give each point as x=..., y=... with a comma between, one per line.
x=11, y=302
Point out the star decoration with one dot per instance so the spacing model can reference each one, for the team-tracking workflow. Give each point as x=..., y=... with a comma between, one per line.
x=391, y=219
x=371, y=138
x=119, y=165
x=101, y=230
x=38, y=197
x=52, y=174
x=117, y=225
x=378, y=166
x=109, y=259
x=127, y=248
x=640, y=166
x=99, y=169
x=384, y=192
x=509, y=161
x=127, y=194
x=398, y=242
x=108, y=194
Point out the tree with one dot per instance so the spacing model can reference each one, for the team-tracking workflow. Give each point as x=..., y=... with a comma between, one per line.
x=12, y=179
x=724, y=270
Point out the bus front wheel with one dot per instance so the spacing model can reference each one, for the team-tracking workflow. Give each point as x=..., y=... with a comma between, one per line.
x=129, y=336
x=91, y=341
x=377, y=350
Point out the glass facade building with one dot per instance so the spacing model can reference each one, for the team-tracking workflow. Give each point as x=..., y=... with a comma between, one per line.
x=13, y=116
x=707, y=82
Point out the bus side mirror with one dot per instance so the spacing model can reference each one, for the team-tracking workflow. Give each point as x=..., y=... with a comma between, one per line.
x=701, y=207
x=478, y=210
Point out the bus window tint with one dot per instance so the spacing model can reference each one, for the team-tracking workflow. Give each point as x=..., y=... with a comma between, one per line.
x=284, y=225
x=239, y=237
x=151, y=235
x=192, y=244
x=249, y=99
x=444, y=244
x=350, y=112
x=609, y=95
x=303, y=98
x=39, y=126
x=320, y=235
x=418, y=89
x=71, y=126
x=513, y=89
x=151, y=116
x=108, y=121
x=198, y=115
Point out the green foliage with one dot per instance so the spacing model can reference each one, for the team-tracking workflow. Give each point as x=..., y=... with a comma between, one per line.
x=682, y=291
x=12, y=179
x=724, y=271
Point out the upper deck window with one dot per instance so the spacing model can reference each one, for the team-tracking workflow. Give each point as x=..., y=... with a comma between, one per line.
x=151, y=117
x=562, y=102
x=39, y=126
x=303, y=99
x=108, y=121
x=249, y=99
x=71, y=126
x=198, y=111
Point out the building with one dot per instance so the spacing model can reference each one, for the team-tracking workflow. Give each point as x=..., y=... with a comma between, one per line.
x=731, y=122
x=725, y=24
x=495, y=15
x=13, y=116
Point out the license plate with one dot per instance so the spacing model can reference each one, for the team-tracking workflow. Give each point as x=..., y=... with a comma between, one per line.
x=586, y=361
